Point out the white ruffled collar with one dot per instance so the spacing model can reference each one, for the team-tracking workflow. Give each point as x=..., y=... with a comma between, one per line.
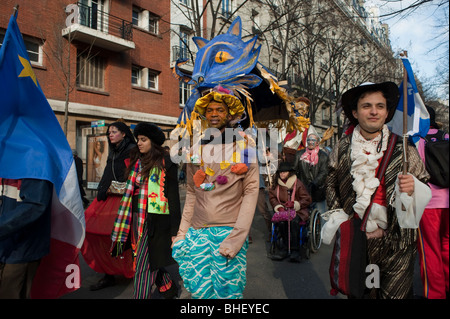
x=365, y=158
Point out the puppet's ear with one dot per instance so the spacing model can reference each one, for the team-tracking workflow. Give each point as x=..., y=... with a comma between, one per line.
x=199, y=42
x=235, y=27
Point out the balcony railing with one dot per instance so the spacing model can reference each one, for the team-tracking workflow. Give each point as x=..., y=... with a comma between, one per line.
x=179, y=53
x=94, y=26
x=92, y=17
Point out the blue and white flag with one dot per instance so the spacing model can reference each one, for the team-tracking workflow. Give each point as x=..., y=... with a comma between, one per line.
x=33, y=145
x=418, y=117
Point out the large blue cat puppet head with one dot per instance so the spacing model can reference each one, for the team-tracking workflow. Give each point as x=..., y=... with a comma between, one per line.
x=228, y=61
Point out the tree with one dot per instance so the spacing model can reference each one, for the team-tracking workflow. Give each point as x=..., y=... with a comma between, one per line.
x=59, y=56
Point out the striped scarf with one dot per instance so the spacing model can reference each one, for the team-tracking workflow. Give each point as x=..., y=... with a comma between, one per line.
x=122, y=224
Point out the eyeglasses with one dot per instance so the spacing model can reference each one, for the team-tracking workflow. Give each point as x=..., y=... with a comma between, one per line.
x=311, y=140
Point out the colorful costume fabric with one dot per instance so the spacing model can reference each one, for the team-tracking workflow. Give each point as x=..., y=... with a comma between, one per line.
x=395, y=252
x=205, y=272
x=216, y=222
x=145, y=221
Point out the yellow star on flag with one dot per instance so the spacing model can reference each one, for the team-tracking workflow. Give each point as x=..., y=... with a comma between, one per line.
x=27, y=70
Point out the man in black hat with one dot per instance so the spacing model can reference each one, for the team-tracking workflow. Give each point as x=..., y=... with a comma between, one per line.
x=352, y=185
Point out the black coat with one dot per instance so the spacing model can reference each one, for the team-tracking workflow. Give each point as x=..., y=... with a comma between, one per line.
x=312, y=176
x=115, y=166
x=161, y=228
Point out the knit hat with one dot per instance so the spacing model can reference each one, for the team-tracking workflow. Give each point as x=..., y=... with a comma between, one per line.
x=351, y=97
x=153, y=132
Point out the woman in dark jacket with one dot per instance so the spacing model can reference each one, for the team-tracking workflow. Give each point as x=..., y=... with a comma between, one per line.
x=311, y=167
x=100, y=215
x=149, y=215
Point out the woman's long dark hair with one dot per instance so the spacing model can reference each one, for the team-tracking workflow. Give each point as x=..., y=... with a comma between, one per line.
x=276, y=176
x=154, y=158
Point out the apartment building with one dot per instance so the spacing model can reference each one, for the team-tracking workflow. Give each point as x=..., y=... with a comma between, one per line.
x=99, y=61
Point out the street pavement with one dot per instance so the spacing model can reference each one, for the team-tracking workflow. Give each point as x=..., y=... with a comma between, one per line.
x=266, y=279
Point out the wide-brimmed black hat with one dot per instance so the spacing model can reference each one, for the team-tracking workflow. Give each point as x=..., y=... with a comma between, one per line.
x=150, y=130
x=285, y=167
x=390, y=91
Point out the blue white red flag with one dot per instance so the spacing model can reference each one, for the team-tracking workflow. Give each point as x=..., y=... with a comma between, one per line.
x=418, y=117
x=33, y=145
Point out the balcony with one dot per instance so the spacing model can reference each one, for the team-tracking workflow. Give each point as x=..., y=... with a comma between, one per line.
x=101, y=29
x=180, y=53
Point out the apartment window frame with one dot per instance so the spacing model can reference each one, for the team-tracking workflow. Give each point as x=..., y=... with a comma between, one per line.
x=153, y=23
x=145, y=20
x=136, y=12
x=185, y=91
x=146, y=78
x=152, y=80
x=91, y=71
x=33, y=47
x=136, y=75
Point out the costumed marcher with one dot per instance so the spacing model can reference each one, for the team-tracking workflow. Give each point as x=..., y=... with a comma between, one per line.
x=221, y=195
x=25, y=211
x=149, y=213
x=433, y=235
x=311, y=167
x=295, y=140
x=351, y=182
x=288, y=191
x=102, y=213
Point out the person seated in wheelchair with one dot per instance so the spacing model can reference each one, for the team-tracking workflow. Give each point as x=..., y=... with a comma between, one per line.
x=290, y=201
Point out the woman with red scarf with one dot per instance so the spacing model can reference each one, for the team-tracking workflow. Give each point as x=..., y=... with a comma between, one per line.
x=311, y=167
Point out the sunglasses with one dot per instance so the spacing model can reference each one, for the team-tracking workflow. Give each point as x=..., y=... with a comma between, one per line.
x=311, y=140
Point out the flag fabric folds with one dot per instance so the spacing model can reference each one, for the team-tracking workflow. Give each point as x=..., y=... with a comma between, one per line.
x=33, y=145
x=418, y=117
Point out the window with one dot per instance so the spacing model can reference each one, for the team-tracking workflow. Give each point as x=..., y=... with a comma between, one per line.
x=136, y=76
x=146, y=20
x=91, y=72
x=185, y=2
x=135, y=17
x=33, y=46
x=185, y=93
x=153, y=23
x=144, y=77
x=227, y=8
x=152, y=80
x=184, y=44
x=325, y=115
x=33, y=51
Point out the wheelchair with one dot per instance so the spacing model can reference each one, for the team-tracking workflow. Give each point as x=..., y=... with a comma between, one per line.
x=309, y=237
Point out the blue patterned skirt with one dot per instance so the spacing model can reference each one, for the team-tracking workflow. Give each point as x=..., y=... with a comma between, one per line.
x=206, y=273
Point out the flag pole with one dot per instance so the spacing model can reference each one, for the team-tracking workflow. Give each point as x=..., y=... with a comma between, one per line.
x=16, y=10
x=405, y=114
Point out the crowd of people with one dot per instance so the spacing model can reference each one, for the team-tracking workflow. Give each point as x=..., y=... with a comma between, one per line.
x=135, y=226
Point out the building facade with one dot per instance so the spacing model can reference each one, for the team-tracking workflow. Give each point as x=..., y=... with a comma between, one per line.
x=98, y=61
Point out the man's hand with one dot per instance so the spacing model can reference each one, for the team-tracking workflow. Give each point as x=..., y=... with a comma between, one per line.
x=377, y=233
x=406, y=184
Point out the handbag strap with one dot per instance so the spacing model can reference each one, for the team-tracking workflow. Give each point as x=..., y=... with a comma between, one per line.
x=381, y=170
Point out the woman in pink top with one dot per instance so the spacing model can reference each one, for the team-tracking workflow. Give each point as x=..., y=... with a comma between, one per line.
x=434, y=234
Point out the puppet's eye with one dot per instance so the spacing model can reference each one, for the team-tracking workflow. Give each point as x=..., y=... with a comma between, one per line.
x=223, y=56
